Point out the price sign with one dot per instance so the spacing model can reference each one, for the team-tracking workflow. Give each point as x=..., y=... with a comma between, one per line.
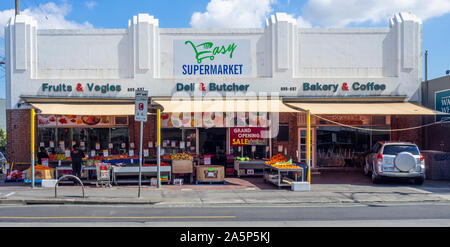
x=92, y=153
x=67, y=153
x=250, y=172
x=150, y=144
x=141, y=106
x=131, y=153
x=145, y=152
x=105, y=153
x=52, y=144
x=97, y=146
x=45, y=162
x=207, y=159
x=110, y=145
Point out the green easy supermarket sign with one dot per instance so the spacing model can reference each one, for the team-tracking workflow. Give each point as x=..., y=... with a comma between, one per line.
x=442, y=104
x=207, y=50
x=211, y=58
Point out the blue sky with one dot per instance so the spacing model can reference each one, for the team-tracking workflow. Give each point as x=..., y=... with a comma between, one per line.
x=242, y=13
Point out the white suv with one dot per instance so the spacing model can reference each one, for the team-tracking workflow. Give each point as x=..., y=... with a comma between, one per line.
x=395, y=159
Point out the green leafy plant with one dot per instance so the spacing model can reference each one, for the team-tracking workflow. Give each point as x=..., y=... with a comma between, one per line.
x=2, y=138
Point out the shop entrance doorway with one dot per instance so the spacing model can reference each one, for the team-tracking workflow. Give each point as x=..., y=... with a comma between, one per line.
x=213, y=141
x=346, y=147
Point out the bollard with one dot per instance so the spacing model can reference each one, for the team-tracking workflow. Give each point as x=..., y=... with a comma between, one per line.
x=68, y=176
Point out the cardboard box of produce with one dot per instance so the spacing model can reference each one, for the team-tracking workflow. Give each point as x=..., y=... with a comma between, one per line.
x=210, y=173
x=182, y=166
x=41, y=174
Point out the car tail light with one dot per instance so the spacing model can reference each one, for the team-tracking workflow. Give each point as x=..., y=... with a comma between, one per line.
x=380, y=157
x=422, y=158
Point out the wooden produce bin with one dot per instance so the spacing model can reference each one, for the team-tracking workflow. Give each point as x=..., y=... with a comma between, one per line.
x=210, y=174
x=182, y=166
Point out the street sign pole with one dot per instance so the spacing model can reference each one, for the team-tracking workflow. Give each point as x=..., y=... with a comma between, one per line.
x=140, y=114
x=140, y=159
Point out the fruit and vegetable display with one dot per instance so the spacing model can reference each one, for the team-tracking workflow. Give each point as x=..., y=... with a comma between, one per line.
x=243, y=158
x=276, y=159
x=53, y=157
x=58, y=157
x=181, y=156
x=279, y=161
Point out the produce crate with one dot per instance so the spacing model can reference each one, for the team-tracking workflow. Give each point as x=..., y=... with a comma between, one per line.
x=182, y=166
x=41, y=174
x=210, y=173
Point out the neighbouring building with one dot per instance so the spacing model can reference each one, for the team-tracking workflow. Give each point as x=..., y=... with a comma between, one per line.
x=436, y=95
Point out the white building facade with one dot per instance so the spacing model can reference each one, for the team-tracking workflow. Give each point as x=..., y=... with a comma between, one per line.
x=282, y=58
x=319, y=65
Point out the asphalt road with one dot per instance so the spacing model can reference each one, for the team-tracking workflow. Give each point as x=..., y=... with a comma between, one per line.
x=363, y=215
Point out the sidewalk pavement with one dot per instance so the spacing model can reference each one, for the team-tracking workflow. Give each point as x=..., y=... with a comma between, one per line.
x=237, y=192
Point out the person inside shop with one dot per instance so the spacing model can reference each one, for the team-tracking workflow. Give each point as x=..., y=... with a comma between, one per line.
x=42, y=154
x=77, y=160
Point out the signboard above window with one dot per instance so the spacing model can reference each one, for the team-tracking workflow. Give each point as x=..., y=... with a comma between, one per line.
x=81, y=121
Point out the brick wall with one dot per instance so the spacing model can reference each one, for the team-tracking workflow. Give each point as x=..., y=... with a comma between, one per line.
x=292, y=144
x=437, y=136
x=18, y=129
x=401, y=122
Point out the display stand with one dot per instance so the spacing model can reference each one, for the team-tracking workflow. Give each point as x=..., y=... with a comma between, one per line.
x=134, y=171
x=250, y=168
x=280, y=181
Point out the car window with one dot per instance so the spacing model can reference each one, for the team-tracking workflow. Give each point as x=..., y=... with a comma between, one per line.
x=395, y=149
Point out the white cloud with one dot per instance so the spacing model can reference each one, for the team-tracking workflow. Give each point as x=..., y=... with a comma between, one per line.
x=48, y=16
x=90, y=4
x=341, y=13
x=324, y=13
x=233, y=14
x=302, y=23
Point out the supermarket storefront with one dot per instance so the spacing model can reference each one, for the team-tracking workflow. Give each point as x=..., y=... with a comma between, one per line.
x=220, y=89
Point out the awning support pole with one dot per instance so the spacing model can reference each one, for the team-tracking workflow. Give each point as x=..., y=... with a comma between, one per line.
x=33, y=114
x=158, y=146
x=308, y=143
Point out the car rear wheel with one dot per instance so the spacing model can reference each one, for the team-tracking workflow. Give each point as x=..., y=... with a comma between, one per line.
x=418, y=181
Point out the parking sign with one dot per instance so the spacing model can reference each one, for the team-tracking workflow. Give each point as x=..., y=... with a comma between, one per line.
x=141, y=106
